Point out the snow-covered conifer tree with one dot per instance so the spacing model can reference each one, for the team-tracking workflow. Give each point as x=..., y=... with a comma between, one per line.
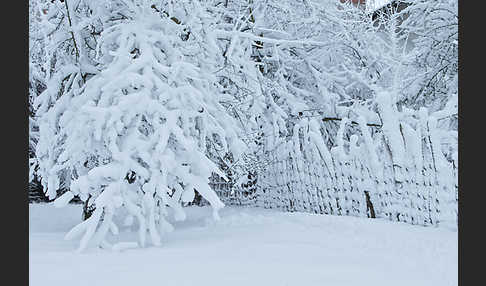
x=135, y=134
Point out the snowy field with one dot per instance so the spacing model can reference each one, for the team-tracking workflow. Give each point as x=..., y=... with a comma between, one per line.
x=248, y=246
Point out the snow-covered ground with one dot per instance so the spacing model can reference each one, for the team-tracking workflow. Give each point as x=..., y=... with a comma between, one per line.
x=248, y=246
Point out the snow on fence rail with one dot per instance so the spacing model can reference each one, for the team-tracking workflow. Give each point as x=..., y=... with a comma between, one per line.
x=306, y=177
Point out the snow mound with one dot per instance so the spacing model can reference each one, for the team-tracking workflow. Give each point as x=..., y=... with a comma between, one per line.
x=242, y=219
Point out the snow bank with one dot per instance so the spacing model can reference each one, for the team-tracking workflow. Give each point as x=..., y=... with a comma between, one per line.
x=248, y=246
